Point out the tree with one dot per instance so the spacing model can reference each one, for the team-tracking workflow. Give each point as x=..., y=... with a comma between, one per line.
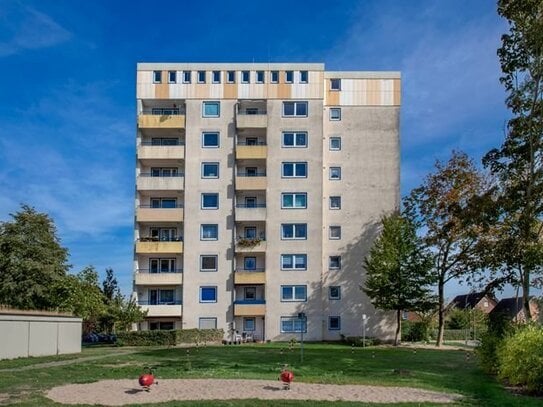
x=110, y=288
x=31, y=260
x=398, y=270
x=449, y=209
x=518, y=164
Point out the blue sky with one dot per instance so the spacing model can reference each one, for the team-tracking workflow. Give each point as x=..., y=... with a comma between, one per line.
x=67, y=88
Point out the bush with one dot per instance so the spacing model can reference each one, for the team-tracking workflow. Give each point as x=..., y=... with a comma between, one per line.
x=520, y=358
x=170, y=338
x=416, y=331
x=199, y=335
x=486, y=352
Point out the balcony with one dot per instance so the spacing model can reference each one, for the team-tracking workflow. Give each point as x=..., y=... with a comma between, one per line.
x=144, y=246
x=146, y=182
x=162, y=118
x=256, y=212
x=144, y=277
x=174, y=309
x=249, y=308
x=257, y=276
x=149, y=214
x=147, y=151
x=251, y=152
x=255, y=120
x=253, y=182
x=250, y=245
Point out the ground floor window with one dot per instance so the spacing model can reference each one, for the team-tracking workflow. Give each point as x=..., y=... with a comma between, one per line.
x=162, y=326
x=207, y=323
x=293, y=324
x=249, y=324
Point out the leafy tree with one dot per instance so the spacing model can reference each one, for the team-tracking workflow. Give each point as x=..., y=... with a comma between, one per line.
x=31, y=260
x=517, y=164
x=448, y=209
x=110, y=288
x=398, y=270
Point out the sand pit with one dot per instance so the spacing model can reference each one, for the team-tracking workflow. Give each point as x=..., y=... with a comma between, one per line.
x=120, y=392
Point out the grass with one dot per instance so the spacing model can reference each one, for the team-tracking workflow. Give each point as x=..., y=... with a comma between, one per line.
x=447, y=371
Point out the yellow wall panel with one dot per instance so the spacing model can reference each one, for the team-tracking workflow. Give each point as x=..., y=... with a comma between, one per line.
x=230, y=91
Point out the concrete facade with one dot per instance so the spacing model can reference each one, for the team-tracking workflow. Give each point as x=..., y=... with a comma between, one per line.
x=24, y=334
x=346, y=156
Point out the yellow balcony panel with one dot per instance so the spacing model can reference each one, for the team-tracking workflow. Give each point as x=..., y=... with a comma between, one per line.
x=159, y=214
x=251, y=183
x=159, y=247
x=252, y=121
x=257, y=248
x=159, y=279
x=250, y=214
x=249, y=310
x=161, y=152
x=251, y=152
x=163, y=310
x=249, y=277
x=152, y=121
x=146, y=183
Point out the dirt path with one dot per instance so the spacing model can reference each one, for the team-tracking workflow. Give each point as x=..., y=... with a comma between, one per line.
x=121, y=392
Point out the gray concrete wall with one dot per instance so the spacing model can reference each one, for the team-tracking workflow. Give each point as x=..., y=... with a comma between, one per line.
x=23, y=335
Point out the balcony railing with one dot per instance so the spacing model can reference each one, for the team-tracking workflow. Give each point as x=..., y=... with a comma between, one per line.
x=149, y=271
x=251, y=206
x=258, y=143
x=169, y=144
x=249, y=302
x=147, y=302
x=164, y=111
x=149, y=174
x=160, y=239
x=251, y=174
x=161, y=207
x=253, y=270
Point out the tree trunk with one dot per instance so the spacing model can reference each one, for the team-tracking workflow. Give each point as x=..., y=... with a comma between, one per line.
x=526, y=295
x=398, y=327
x=441, y=311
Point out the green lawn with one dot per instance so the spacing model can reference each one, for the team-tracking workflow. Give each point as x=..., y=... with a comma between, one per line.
x=440, y=370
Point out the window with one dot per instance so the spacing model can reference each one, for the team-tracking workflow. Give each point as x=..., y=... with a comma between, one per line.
x=248, y=324
x=249, y=263
x=294, y=170
x=274, y=76
x=172, y=77
x=293, y=231
x=335, y=113
x=293, y=293
x=250, y=202
x=163, y=203
x=210, y=201
x=293, y=262
x=259, y=76
x=251, y=141
x=201, y=76
x=251, y=171
x=294, y=200
x=211, y=109
x=294, y=139
x=335, y=232
x=335, y=173
x=216, y=76
x=208, y=262
x=186, y=76
x=335, y=262
x=245, y=76
x=164, y=234
x=210, y=139
x=294, y=109
x=251, y=110
x=303, y=76
x=335, y=143
x=289, y=76
x=209, y=232
x=210, y=170
x=335, y=84
x=293, y=324
x=208, y=294
x=161, y=266
x=334, y=292
x=207, y=323
x=164, y=141
x=165, y=297
x=249, y=293
x=250, y=232
x=335, y=202
x=164, y=172
x=231, y=76
x=334, y=323
x=162, y=326
x=157, y=76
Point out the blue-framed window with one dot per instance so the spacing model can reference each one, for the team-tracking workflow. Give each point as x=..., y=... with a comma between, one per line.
x=210, y=170
x=231, y=76
x=259, y=76
x=294, y=293
x=294, y=109
x=172, y=76
x=274, y=76
x=249, y=263
x=209, y=232
x=335, y=84
x=211, y=109
x=187, y=76
x=245, y=76
x=294, y=170
x=157, y=76
x=334, y=292
x=334, y=323
x=294, y=262
x=293, y=231
x=216, y=76
x=293, y=139
x=201, y=76
x=249, y=324
x=210, y=201
x=289, y=76
x=210, y=139
x=303, y=76
x=294, y=200
x=293, y=324
x=208, y=294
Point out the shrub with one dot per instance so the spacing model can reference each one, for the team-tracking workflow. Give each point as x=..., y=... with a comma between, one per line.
x=199, y=335
x=170, y=338
x=499, y=326
x=520, y=358
x=418, y=331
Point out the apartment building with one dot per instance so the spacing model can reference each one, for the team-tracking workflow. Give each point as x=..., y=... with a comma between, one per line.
x=259, y=190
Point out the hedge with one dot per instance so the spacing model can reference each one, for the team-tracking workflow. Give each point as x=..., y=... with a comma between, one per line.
x=170, y=337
